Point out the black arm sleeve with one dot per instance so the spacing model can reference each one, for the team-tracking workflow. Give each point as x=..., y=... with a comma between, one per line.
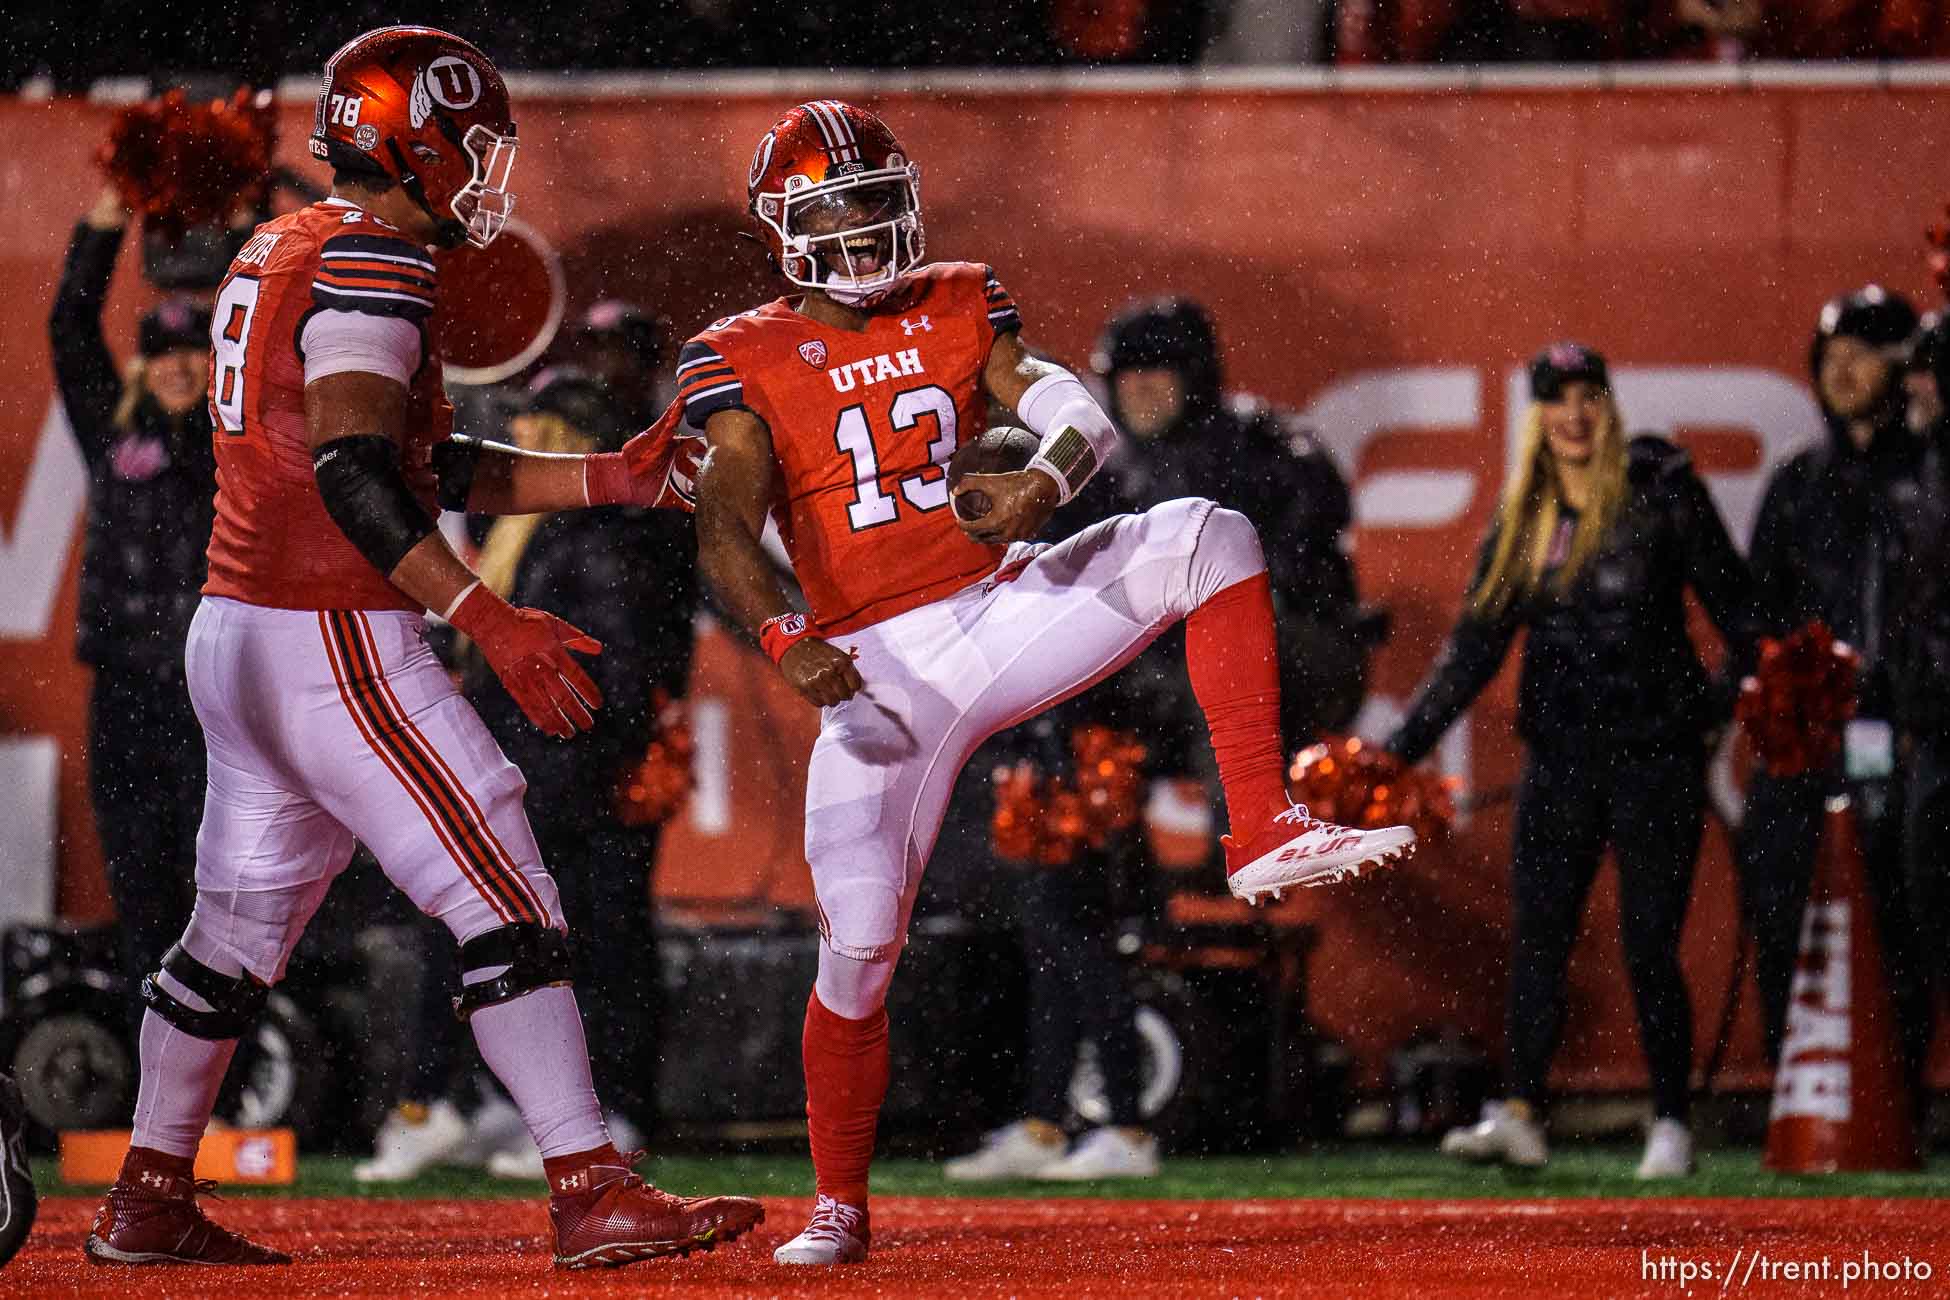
x=1769, y=558
x=368, y=498
x=1468, y=662
x=1716, y=571
x=83, y=369
x=454, y=460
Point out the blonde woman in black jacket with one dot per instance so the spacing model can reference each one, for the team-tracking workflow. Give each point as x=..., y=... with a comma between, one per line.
x=1593, y=548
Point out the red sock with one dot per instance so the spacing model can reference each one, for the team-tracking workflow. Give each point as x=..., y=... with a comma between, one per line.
x=1232, y=656
x=846, y=1081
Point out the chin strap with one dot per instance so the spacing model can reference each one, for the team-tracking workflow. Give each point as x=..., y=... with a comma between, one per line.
x=447, y=232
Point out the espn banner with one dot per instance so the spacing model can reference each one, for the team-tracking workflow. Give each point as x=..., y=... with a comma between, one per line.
x=1384, y=259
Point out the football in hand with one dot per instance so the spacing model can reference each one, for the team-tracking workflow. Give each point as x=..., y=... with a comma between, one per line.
x=1001, y=450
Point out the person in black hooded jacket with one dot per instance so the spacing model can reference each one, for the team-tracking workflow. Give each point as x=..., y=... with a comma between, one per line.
x=1921, y=675
x=145, y=435
x=1592, y=551
x=1829, y=544
x=1186, y=436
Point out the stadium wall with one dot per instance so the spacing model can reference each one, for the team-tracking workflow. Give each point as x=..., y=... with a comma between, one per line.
x=1381, y=249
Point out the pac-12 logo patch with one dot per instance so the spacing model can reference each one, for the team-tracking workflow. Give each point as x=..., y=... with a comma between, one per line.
x=447, y=81
x=813, y=352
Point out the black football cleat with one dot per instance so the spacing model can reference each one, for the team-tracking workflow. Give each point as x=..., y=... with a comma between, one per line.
x=17, y=1201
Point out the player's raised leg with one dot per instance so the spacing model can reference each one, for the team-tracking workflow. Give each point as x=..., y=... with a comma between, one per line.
x=1092, y=602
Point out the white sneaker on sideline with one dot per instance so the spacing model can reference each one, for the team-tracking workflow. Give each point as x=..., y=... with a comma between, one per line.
x=413, y=1140
x=1012, y=1151
x=623, y=1135
x=1502, y=1135
x=494, y=1126
x=1668, y=1151
x=1105, y=1153
x=838, y=1234
x=521, y=1160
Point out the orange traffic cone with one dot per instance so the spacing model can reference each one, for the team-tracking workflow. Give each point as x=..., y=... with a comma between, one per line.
x=1840, y=1096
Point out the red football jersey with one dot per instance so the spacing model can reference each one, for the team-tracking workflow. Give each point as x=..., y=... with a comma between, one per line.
x=863, y=425
x=273, y=543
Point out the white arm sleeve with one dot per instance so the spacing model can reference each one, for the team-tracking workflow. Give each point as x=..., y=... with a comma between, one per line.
x=1077, y=435
x=335, y=342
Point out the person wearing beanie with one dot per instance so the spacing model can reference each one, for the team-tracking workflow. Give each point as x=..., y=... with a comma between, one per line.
x=1829, y=543
x=144, y=431
x=1596, y=541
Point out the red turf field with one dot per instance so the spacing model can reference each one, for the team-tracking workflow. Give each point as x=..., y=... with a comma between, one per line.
x=947, y=1247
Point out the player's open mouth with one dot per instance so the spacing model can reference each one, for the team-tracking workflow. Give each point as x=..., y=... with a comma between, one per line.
x=863, y=255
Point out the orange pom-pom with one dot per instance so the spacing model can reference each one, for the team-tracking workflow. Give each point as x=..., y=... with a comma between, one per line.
x=178, y=164
x=1342, y=779
x=658, y=787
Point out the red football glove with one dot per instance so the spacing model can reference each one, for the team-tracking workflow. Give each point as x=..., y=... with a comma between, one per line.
x=656, y=468
x=529, y=651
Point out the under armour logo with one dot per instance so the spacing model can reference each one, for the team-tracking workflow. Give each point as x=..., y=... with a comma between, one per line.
x=569, y=1183
x=915, y=326
x=153, y=1179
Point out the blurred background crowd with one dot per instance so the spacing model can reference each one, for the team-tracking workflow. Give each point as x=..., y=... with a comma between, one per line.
x=66, y=50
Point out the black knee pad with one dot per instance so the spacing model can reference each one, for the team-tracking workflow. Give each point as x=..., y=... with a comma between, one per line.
x=235, y=1000
x=536, y=956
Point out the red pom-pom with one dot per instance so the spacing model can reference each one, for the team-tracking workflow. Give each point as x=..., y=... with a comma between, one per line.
x=178, y=164
x=1799, y=700
x=658, y=787
x=1048, y=820
x=1346, y=780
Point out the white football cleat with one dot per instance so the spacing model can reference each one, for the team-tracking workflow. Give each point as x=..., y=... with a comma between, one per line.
x=1106, y=1153
x=1504, y=1135
x=1668, y=1151
x=413, y=1140
x=1013, y=1151
x=1297, y=849
x=838, y=1234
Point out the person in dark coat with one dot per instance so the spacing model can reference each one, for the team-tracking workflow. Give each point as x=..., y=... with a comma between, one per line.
x=1594, y=546
x=1829, y=544
x=144, y=431
x=1184, y=437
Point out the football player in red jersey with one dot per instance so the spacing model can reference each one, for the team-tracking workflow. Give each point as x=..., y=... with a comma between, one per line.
x=327, y=716
x=836, y=413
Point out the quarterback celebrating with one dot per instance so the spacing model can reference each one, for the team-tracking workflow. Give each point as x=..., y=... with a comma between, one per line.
x=837, y=413
x=327, y=716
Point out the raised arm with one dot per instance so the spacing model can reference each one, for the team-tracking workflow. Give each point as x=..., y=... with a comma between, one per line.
x=83, y=369
x=736, y=487
x=491, y=478
x=354, y=421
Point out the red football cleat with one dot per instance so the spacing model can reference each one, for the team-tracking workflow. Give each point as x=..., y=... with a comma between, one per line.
x=151, y=1217
x=604, y=1216
x=1296, y=849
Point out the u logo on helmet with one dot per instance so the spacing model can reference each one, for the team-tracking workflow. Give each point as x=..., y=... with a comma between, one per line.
x=761, y=159
x=447, y=81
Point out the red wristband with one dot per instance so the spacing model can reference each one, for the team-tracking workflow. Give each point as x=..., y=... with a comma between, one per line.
x=607, y=481
x=779, y=633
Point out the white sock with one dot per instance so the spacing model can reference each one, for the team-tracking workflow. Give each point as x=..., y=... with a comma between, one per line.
x=180, y=1077
x=534, y=1045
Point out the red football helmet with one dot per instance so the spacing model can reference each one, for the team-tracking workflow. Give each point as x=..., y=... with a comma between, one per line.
x=839, y=201
x=429, y=110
